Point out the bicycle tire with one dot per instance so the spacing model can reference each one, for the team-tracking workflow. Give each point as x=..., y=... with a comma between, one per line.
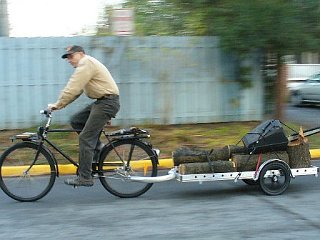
x=30, y=186
x=143, y=162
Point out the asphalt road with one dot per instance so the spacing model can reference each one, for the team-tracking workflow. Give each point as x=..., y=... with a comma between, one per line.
x=171, y=210
x=307, y=116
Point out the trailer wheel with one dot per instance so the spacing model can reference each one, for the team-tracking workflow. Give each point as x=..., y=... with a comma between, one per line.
x=274, y=178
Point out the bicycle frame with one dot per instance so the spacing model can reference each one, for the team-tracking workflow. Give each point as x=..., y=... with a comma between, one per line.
x=42, y=133
x=55, y=147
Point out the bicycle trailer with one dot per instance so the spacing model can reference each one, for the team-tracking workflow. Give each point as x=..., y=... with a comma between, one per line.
x=272, y=175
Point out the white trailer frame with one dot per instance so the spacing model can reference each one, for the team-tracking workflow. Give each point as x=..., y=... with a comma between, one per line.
x=254, y=177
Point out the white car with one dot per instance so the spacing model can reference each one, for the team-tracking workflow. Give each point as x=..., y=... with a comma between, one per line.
x=307, y=92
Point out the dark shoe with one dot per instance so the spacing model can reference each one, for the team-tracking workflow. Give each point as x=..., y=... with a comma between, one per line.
x=77, y=181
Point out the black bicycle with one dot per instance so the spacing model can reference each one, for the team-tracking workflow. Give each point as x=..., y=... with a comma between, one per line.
x=28, y=169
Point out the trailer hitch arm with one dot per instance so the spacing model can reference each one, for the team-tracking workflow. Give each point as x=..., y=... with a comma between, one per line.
x=306, y=133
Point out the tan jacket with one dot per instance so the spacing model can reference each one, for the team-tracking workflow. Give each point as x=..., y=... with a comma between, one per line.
x=90, y=77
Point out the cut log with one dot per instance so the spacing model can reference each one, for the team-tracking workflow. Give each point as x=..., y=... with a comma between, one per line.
x=191, y=155
x=298, y=152
x=246, y=162
x=206, y=167
x=299, y=155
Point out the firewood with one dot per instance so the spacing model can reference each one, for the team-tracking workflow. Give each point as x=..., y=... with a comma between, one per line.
x=246, y=162
x=206, y=167
x=191, y=155
x=298, y=152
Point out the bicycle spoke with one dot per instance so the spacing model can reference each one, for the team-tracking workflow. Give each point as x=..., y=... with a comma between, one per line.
x=138, y=160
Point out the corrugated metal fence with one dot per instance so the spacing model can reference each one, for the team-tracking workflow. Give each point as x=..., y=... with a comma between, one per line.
x=163, y=80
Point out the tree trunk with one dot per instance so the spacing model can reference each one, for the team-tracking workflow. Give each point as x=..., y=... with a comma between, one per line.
x=280, y=88
x=206, y=167
x=246, y=162
x=191, y=155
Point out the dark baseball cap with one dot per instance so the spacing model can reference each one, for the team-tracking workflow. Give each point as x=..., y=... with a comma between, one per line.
x=71, y=50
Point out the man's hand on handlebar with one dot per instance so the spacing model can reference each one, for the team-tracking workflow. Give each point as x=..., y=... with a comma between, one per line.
x=52, y=107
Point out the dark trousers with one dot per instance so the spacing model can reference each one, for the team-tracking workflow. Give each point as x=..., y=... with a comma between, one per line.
x=91, y=121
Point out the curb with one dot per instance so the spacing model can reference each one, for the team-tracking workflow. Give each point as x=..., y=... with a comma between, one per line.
x=164, y=163
x=315, y=153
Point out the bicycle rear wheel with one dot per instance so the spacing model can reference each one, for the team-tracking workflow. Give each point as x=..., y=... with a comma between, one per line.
x=127, y=157
x=21, y=181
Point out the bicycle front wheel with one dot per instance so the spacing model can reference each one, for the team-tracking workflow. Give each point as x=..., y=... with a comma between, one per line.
x=127, y=157
x=23, y=179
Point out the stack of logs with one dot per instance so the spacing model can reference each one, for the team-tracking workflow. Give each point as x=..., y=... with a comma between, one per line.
x=236, y=158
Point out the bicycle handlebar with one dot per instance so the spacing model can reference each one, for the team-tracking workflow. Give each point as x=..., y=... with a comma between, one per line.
x=45, y=111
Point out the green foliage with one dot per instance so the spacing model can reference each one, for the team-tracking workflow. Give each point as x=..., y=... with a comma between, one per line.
x=282, y=26
x=160, y=18
x=103, y=26
x=274, y=26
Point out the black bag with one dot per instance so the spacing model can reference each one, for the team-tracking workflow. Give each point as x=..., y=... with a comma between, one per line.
x=267, y=137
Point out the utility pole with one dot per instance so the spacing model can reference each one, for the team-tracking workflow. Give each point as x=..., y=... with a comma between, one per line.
x=4, y=20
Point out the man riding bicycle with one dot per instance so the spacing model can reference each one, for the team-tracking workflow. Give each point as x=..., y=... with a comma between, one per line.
x=94, y=79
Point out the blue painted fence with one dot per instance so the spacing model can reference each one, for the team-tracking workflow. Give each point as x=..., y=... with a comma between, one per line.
x=162, y=80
